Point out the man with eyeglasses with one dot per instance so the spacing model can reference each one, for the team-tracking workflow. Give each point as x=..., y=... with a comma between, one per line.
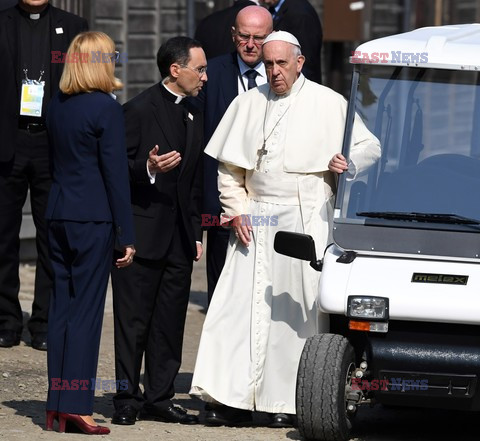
x=230, y=75
x=214, y=30
x=164, y=145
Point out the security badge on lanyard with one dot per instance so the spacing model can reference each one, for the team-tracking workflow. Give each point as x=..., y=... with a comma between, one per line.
x=32, y=95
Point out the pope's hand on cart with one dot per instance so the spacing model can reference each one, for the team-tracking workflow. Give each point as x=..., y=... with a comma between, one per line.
x=242, y=228
x=338, y=164
x=163, y=163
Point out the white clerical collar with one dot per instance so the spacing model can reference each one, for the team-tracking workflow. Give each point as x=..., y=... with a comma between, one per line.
x=260, y=67
x=297, y=85
x=34, y=16
x=179, y=97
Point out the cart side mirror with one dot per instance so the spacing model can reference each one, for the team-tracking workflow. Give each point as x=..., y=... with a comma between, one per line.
x=298, y=246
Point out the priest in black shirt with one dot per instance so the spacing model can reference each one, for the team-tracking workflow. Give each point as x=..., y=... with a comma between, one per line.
x=29, y=33
x=150, y=297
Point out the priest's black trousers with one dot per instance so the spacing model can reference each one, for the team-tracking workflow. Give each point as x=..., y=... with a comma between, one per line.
x=150, y=300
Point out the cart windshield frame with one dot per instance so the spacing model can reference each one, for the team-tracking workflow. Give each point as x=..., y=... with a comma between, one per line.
x=426, y=185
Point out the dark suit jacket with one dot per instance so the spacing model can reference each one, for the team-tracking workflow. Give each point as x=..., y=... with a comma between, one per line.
x=9, y=50
x=214, y=99
x=5, y=4
x=89, y=163
x=300, y=19
x=176, y=195
x=214, y=31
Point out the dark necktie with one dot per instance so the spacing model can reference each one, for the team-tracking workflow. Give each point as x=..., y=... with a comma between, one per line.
x=272, y=11
x=251, y=75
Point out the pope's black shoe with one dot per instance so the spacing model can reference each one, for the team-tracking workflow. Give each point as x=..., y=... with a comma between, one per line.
x=170, y=414
x=9, y=338
x=228, y=416
x=39, y=341
x=282, y=420
x=125, y=415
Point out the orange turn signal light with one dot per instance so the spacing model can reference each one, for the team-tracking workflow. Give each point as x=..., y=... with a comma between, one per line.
x=356, y=325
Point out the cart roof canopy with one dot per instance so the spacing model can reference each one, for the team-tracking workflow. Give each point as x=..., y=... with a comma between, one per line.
x=444, y=47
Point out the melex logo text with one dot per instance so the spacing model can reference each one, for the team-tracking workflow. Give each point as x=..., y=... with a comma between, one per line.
x=448, y=279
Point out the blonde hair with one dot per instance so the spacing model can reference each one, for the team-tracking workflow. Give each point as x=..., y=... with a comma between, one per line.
x=88, y=66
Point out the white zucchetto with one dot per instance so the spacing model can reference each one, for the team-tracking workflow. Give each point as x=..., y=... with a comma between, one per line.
x=282, y=36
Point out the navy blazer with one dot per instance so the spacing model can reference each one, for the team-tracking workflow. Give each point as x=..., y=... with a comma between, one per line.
x=70, y=24
x=89, y=162
x=214, y=99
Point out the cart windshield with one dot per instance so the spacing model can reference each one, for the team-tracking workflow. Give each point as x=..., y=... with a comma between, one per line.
x=428, y=124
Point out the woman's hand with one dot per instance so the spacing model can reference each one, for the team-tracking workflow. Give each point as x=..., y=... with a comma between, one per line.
x=127, y=259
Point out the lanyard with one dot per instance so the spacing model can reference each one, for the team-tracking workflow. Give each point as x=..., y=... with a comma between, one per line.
x=42, y=48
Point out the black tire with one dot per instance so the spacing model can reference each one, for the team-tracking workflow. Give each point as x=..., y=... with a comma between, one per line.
x=327, y=360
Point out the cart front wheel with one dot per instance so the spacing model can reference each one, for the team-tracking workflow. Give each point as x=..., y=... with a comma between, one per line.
x=324, y=372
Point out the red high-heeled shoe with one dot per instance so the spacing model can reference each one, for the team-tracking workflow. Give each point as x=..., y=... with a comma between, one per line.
x=81, y=425
x=52, y=415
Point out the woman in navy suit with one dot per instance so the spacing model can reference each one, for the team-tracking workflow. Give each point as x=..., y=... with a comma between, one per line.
x=88, y=208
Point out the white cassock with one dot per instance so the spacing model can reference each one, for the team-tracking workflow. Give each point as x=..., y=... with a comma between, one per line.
x=264, y=305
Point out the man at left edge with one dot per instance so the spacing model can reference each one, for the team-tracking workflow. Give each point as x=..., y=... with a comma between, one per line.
x=29, y=33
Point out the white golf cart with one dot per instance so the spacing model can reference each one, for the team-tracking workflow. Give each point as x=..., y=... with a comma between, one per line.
x=401, y=282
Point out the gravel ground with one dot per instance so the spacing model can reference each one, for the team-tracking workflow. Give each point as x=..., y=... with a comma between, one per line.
x=23, y=387
x=23, y=384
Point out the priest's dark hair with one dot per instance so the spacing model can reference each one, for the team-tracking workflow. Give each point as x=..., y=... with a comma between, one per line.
x=175, y=50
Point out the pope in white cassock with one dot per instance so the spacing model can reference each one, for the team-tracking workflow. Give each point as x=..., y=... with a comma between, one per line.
x=279, y=147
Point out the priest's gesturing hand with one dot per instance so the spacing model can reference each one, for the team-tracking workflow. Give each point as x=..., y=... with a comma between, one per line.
x=242, y=227
x=338, y=164
x=163, y=163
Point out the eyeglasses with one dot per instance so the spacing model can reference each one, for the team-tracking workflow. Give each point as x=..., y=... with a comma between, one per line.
x=200, y=71
x=245, y=38
x=115, y=56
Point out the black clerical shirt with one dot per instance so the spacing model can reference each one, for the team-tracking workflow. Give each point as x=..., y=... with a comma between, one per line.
x=177, y=114
x=34, y=43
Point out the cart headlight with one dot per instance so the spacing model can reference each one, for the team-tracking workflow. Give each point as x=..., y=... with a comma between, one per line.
x=367, y=307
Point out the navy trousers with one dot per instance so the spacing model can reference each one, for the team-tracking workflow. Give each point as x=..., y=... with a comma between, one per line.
x=81, y=256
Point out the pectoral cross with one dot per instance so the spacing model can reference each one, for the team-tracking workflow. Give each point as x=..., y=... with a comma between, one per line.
x=261, y=153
